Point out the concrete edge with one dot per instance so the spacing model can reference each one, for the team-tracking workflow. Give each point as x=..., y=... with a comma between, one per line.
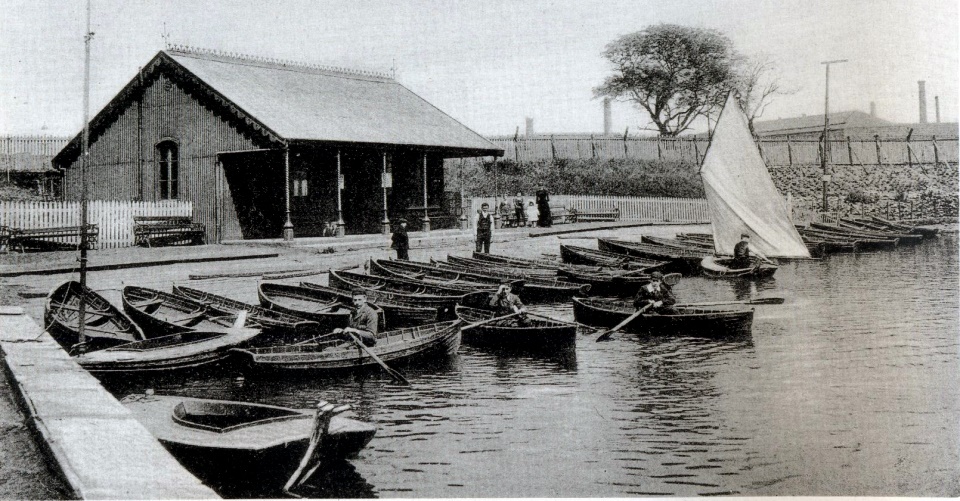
x=136, y=264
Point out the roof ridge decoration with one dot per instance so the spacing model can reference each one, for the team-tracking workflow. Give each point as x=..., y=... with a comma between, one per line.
x=240, y=57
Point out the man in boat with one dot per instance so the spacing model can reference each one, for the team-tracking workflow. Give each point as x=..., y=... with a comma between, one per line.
x=363, y=321
x=401, y=242
x=657, y=295
x=741, y=253
x=484, y=228
x=507, y=303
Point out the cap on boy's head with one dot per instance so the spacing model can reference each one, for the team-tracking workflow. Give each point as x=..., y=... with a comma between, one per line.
x=358, y=292
x=656, y=276
x=484, y=206
x=505, y=281
x=401, y=221
x=744, y=235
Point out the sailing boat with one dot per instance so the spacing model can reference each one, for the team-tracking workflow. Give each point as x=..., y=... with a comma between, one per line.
x=742, y=197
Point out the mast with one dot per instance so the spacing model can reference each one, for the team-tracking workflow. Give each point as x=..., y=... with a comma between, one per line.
x=84, y=153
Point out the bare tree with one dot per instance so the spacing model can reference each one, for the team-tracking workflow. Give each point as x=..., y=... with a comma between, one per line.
x=757, y=82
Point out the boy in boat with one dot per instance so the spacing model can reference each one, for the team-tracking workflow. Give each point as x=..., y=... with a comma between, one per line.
x=507, y=303
x=401, y=242
x=363, y=320
x=484, y=228
x=657, y=294
x=741, y=253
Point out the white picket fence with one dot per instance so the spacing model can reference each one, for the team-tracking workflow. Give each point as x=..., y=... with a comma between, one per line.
x=661, y=209
x=114, y=219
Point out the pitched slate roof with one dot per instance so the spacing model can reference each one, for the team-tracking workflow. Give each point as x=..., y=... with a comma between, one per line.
x=298, y=102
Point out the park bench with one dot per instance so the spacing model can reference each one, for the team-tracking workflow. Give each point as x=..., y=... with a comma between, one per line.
x=50, y=238
x=589, y=216
x=167, y=230
x=561, y=215
x=439, y=218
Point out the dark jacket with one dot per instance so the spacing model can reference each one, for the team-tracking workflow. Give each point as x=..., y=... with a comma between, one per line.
x=647, y=295
x=400, y=238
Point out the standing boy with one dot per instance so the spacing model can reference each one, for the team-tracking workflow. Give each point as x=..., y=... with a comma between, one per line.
x=484, y=229
x=401, y=242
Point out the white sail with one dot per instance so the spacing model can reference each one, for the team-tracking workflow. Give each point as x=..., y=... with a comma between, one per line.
x=741, y=194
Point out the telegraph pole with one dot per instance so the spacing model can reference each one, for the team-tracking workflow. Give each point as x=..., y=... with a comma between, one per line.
x=826, y=130
x=84, y=161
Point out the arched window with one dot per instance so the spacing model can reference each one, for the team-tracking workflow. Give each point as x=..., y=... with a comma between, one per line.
x=168, y=160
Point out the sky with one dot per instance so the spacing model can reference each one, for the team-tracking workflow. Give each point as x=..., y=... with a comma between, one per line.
x=489, y=64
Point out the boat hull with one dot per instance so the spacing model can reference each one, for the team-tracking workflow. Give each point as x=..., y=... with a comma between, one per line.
x=692, y=322
x=396, y=315
x=538, y=336
x=176, y=351
x=61, y=319
x=714, y=267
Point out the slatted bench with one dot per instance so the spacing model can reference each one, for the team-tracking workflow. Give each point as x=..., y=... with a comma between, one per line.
x=561, y=215
x=51, y=238
x=588, y=216
x=439, y=218
x=167, y=230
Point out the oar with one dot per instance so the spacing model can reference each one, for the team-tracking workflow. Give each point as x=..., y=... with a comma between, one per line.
x=310, y=459
x=487, y=321
x=556, y=320
x=759, y=300
x=394, y=374
x=606, y=335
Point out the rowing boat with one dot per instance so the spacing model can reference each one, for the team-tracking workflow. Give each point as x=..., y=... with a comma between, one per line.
x=438, y=340
x=890, y=225
x=693, y=322
x=104, y=324
x=520, y=271
x=237, y=443
x=612, y=260
x=844, y=229
x=529, y=334
x=535, y=289
x=397, y=312
x=173, y=351
x=546, y=264
x=720, y=267
x=677, y=243
x=394, y=269
x=160, y=313
x=348, y=281
x=257, y=316
x=609, y=283
x=682, y=261
x=440, y=271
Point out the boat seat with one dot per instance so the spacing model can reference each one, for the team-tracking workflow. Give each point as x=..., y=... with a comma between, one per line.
x=150, y=305
x=190, y=319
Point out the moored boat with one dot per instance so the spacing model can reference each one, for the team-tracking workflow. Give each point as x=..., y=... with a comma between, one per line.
x=534, y=334
x=678, y=260
x=547, y=264
x=510, y=269
x=535, y=289
x=104, y=324
x=720, y=267
x=394, y=269
x=397, y=312
x=693, y=322
x=160, y=313
x=440, y=340
x=677, y=243
x=347, y=281
x=173, y=351
x=257, y=316
x=227, y=442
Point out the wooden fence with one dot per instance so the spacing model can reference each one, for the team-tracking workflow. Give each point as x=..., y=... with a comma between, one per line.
x=685, y=210
x=113, y=218
x=775, y=151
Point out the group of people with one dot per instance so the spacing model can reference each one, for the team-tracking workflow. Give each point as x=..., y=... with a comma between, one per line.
x=526, y=215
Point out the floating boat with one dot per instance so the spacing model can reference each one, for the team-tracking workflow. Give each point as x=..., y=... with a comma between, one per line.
x=326, y=309
x=173, y=351
x=257, y=316
x=397, y=312
x=718, y=267
x=678, y=260
x=693, y=322
x=890, y=225
x=536, y=334
x=535, y=289
x=160, y=313
x=609, y=283
x=104, y=324
x=438, y=340
x=546, y=264
x=394, y=269
x=845, y=229
x=225, y=442
x=347, y=281
x=677, y=244
x=520, y=271
x=862, y=243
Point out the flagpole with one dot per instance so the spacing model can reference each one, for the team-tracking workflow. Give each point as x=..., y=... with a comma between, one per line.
x=84, y=153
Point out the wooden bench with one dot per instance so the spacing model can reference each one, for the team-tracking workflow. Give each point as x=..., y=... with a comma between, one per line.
x=167, y=230
x=439, y=218
x=561, y=215
x=585, y=216
x=51, y=238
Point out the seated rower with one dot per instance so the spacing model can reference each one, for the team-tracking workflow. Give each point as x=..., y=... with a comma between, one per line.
x=657, y=294
x=505, y=302
x=363, y=320
x=741, y=253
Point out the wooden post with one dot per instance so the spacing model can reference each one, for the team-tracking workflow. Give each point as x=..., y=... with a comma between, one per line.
x=463, y=214
x=876, y=141
x=516, y=145
x=696, y=151
x=593, y=147
x=496, y=193
x=659, y=149
x=140, y=92
x=849, y=150
x=287, y=225
x=341, y=229
x=553, y=149
x=789, y=151
x=626, y=153
x=936, y=152
x=909, y=156
x=426, y=216
x=385, y=223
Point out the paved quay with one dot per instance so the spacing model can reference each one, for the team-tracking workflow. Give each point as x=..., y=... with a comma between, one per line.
x=101, y=450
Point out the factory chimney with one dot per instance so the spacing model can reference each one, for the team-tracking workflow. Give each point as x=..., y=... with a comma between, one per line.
x=873, y=109
x=923, y=101
x=936, y=107
x=529, y=127
x=607, y=118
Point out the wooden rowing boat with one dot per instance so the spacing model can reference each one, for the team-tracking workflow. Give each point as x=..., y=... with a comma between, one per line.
x=397, y=312
x=693, y=322
x=609, y=283
x=613, y=260
x=677, y=244
x=535, y=289
x=438, y=340
x=237, y=443
x=257, y=316
x=439, y=271
x=394, y=269
x=893, y=226
x=161, y=313
x=680, y=261
x=326, y=309
x=546, y=264
x=844, y=229
x=535, y=334
x=104, y=324
x=347, y=281
x=519, y=271
x=719, y=267
x=173, y=351
x=863, y=243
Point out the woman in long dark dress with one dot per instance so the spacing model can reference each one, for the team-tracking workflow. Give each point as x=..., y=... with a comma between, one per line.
x=543, y=206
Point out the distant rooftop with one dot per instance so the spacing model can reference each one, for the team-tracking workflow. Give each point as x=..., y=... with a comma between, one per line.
x=29, y=153
x=810, y=123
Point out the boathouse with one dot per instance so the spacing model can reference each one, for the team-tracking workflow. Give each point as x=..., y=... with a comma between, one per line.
x=264, y=148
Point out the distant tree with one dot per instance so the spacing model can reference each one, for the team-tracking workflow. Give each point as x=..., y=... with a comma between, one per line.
x=757, y=82
x=674, y=73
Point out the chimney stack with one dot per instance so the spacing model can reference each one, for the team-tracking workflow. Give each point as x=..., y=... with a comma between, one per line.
x=529, y=126
x=607, y=118
x=923, y=101
x=873, y=109
x=936, y=106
